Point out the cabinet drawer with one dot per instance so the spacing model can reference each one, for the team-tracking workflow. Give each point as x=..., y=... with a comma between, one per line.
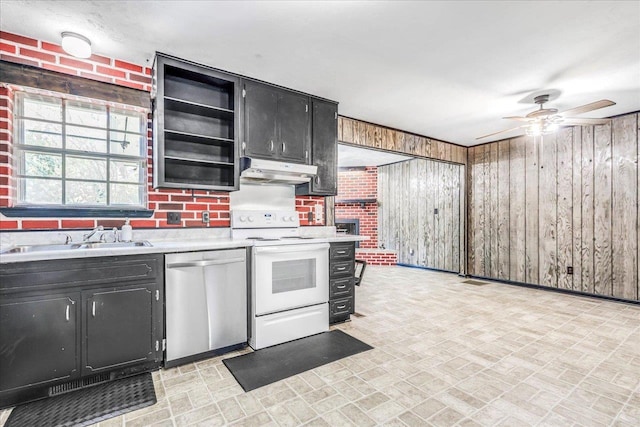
x=340, y=269
x=339, y=309
x=340, y=288
x=342, y=252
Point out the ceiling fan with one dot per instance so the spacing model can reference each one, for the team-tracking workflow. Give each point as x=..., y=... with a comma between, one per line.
x=547, y=120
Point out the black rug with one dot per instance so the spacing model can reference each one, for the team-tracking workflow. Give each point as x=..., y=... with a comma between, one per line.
x=87, y=406
x=266, y=366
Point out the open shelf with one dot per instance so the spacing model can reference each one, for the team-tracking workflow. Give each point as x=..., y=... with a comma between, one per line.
x=195, y=146
x=198, y=88
x=206, y=175
x=198, y=120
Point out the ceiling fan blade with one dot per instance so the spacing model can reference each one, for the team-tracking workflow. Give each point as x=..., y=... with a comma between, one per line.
x=588, y=107
x=518, y=118
x=576, y=121
x=502, y=131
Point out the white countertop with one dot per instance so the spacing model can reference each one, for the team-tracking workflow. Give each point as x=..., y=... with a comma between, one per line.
x=158, y=246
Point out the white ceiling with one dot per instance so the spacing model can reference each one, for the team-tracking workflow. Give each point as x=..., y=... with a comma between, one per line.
x=350, y=156
x=448, y=70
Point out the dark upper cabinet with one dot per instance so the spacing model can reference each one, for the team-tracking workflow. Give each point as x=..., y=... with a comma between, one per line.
x=324, y=150
x=196, y=123
x=38, y=340
x=260, y=120
x=276, y=123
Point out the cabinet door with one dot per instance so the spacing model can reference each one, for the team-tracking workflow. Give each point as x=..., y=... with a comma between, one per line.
x=260, y=111
x=325, y=146
x=118, y=327
x=38, y=340
x=293, y=127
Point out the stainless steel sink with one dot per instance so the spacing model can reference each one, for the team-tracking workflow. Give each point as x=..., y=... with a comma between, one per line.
x=107, y=245
x=92, y=245
x=39, y=248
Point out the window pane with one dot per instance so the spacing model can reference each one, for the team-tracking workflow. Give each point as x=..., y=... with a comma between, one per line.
x=42, y=191
x=40, y=164
x=86, y=139
x=86, y=114
x=86, y=168
x=86, y=193
x=126, y=194
x=41, y=134
x=125, y=171
x=127, y=144
x=38, y=107
x=129, y=121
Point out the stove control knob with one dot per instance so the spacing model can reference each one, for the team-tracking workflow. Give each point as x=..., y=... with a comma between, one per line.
x=291, y=218
x=243, y=218
x=250, y=218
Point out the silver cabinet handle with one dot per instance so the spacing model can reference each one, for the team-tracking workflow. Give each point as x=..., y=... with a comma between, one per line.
x=341, y=252
x=271, y=145
x=66, y=313
x=317, y=179
x=341, y=268
x=342, y=287
x=93, y=309
x=205, y=263
x=284, y=147
x=342, y=306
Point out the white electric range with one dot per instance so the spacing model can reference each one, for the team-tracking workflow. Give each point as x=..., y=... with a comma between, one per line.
x=289, y=277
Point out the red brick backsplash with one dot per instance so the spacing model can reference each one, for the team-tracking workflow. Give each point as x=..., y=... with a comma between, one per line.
x=29, y=51
x=380, y=257
x=359, y=184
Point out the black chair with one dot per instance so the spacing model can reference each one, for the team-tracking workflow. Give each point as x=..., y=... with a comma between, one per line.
x=360, y=266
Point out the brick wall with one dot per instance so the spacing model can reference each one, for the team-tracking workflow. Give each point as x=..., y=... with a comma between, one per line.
x=379, y=257
x=359, y=183
x=38, y=53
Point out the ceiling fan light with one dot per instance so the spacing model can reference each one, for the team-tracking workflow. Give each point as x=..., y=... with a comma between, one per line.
x=76, y=45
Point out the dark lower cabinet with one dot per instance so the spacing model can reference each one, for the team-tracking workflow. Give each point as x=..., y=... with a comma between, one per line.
x=65, y=324
x=38, y=340
x=118, y=327
x=341, y=281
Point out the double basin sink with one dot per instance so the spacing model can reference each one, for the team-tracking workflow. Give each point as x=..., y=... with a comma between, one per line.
x=72, y=246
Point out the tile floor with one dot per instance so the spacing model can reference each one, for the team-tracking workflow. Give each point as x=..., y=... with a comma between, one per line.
x=446, y=354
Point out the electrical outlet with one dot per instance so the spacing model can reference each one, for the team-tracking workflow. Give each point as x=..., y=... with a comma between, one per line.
x=569, y=270
x=174, y=217
x=205, y=217
x=435, y=211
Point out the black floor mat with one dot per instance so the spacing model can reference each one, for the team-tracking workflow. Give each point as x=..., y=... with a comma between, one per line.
x=87, y=406
x=266, y=366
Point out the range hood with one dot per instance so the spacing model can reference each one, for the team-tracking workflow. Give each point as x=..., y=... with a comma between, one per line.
x=261, y=171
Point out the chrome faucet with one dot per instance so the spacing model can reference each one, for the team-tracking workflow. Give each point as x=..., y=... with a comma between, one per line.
x=86, y=237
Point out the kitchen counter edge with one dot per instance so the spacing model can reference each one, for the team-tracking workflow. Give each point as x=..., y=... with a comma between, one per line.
x=159, y=246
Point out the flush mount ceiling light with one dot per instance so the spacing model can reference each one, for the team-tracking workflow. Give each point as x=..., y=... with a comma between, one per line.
x=76, y=45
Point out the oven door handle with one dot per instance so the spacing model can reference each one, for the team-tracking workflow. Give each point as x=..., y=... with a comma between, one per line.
x=204, y=263
x=283, y=249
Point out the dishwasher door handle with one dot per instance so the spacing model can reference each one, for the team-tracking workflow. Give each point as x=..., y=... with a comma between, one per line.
x=205, y=263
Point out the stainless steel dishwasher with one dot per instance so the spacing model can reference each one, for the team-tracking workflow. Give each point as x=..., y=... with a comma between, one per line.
x=205, y=303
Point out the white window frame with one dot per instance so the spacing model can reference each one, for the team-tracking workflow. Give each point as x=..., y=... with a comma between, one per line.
x=20, y=148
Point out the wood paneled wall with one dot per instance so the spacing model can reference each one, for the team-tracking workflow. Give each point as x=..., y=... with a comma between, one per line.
x=408, y=194
x=571, y=199
x=366, y=134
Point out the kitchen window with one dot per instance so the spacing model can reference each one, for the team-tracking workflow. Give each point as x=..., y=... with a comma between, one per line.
x=79, y=154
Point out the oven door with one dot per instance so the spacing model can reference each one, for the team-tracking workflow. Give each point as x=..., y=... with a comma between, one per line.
x=289, y=276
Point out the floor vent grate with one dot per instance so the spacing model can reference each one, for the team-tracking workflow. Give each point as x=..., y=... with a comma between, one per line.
x=77, y=384
x=475, y=282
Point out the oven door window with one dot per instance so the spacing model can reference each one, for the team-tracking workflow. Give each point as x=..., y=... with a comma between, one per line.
x=295, y=275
